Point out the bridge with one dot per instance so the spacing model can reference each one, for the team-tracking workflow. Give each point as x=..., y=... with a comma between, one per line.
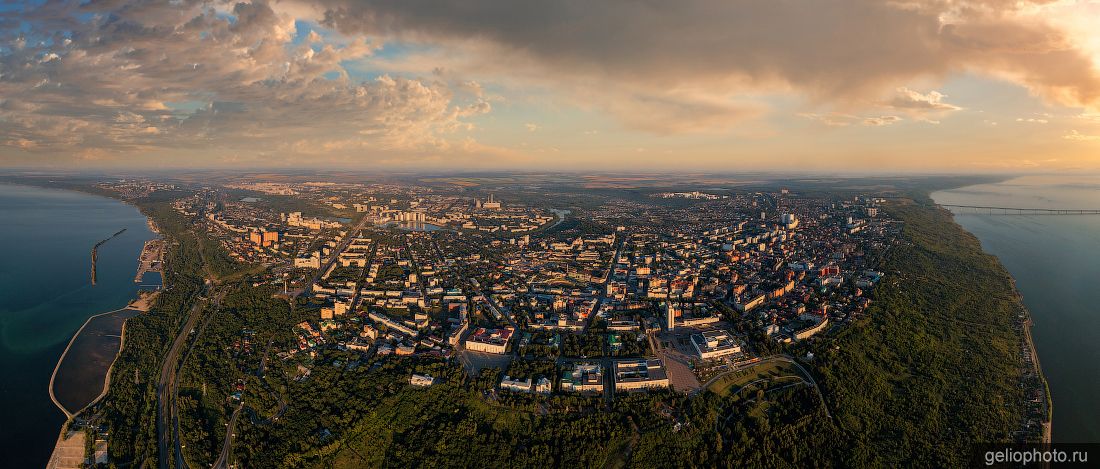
x=1022, y=210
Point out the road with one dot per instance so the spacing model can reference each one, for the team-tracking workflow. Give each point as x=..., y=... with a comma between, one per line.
x=227, y=447
x=506, y=314
x=332, y=259
x=168, y=387
x=606, y=279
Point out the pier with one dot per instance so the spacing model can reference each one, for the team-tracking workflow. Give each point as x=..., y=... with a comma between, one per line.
x=151, y=259
x=1024, y=211
x=95, y=250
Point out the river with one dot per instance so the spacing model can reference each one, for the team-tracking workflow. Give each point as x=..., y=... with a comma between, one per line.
x=46, y=237
x=1055, y=260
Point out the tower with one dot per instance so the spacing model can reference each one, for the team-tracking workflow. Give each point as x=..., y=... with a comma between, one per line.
x=670, y=316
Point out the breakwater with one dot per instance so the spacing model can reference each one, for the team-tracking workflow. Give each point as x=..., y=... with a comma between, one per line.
x=95, y=251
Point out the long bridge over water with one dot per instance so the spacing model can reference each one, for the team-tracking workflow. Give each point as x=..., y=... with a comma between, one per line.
x=1023, y=210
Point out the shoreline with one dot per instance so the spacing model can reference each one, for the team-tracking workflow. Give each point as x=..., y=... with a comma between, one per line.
x=1025, y=326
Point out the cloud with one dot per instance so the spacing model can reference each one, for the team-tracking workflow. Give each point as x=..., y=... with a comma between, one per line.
x=249, y=77
x=834, y=51
x=914, y=100
x=837, y=119
x=881, y=121
x=134, y=77
x=531, y=127
x=832, y=119
x=1032, y=120
x=1080, y=137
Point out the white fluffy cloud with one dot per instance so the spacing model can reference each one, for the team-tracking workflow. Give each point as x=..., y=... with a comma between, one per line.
x=134, y=76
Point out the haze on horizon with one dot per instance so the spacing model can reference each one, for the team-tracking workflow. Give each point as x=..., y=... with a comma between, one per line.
x=694, y=85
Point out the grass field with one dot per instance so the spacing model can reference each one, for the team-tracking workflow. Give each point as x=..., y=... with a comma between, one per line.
x=770, y=371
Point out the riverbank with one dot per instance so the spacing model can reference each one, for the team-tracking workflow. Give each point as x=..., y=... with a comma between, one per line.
x=1053, y=259
x=85, y=377
x=936, y=363
x=1038, y=412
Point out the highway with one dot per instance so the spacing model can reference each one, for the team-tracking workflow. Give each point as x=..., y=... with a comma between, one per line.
x=168, y=387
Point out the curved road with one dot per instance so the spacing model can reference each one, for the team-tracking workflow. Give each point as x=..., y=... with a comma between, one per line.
x=227, y=447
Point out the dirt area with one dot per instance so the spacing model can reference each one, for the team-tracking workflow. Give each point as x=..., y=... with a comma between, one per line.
x=69, y=452
x=144, y=301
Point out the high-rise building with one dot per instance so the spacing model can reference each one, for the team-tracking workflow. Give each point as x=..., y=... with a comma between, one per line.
x=789, y=221
x=491, y=204
x=670, y=316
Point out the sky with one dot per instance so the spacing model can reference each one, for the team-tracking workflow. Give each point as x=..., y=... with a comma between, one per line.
x=634, y=85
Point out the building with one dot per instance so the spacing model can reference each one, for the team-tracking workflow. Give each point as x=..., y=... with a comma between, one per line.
x=747, y=303
x=818, y=319
x=789, y=221
x=392, y=324
x=670, y=316
x=455, y=335
x=491, y=204
x=421, y=380
x=715, y=344
x=338, y=308
x=369, y=331
x=515, y=384
x=263, y=238
x=641, y=373
x=582, y=377
x=489, y=340
x=311, y=261
x=415, y=216
x=543, y=385
x=680, y=314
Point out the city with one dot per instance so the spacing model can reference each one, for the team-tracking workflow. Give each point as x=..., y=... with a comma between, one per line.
x=531, y=301
x=495, y=233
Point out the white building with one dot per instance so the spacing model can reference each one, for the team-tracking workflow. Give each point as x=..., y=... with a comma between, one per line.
x=489, y=340
x=715, y=344
x=543, y=385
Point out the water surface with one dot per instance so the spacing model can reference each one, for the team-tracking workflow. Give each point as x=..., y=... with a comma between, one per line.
x=46, y=237
x=1055, y=260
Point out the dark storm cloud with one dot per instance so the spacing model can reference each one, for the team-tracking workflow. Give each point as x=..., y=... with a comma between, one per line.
x=828, y=49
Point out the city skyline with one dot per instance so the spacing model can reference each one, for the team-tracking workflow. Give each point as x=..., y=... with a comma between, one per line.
x=843, y=86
